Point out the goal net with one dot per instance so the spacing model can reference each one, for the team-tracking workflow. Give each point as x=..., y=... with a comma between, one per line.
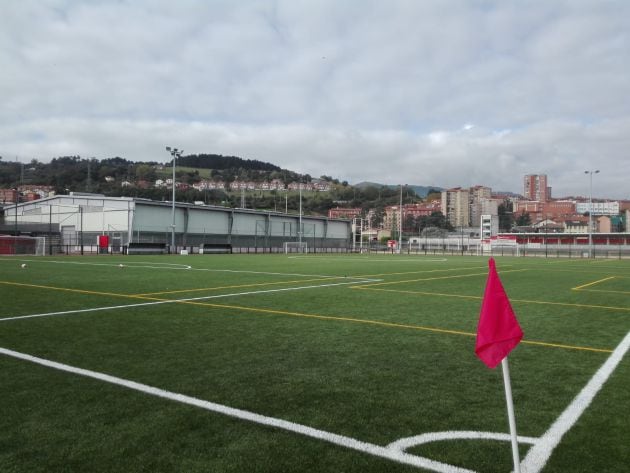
x=22, y=245
x=295, y=247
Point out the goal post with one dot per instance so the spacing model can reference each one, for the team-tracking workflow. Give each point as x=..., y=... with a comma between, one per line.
x=40, y=246
x=22, y=245
x=295, y=247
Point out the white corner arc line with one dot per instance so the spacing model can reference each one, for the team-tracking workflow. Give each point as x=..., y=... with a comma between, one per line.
x=340, y=440
x=173, y=301
x=408, y=442
x=538, y=455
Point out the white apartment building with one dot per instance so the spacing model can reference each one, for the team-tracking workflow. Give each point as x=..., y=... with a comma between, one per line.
x=599, y=208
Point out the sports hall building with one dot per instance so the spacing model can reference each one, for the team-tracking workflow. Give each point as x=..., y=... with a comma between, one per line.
x=81, y=222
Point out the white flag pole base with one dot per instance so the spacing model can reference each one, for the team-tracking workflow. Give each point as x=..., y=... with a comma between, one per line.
x=511, y=419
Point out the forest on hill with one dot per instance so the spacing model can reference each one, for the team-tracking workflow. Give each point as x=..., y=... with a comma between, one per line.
x=106, y=176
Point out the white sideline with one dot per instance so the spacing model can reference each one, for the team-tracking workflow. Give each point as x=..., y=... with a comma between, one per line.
x=341, y=440
x=177, y=266
x=534, y=461
x=132, y=264
x=191, y=299
x=369, y=259
x=538, y=455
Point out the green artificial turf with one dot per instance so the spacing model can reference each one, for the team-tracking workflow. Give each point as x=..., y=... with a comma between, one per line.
x=376, y=348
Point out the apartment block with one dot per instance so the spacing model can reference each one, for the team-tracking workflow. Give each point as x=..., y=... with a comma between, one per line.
x=456, y=206
x=535, y=187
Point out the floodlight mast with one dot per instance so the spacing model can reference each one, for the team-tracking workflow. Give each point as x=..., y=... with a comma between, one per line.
x=176, y=154
x=400, y=223
x=590, y=212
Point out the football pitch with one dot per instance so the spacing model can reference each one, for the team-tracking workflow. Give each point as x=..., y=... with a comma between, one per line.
x=323, y=363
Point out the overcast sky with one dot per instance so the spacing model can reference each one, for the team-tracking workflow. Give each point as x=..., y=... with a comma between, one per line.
x=429, y=92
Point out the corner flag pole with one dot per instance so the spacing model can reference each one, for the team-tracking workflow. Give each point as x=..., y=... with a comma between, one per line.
x=511, y=419
x=498, y=333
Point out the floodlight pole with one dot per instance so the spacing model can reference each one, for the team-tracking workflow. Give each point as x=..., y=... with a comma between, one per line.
x=300, y=221
x=590, y=212
x=176, y=154
x=15, y=233
x=400, y=217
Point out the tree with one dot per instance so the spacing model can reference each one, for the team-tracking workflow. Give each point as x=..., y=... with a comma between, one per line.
x=506, y=217
x=523, y=220
x=377, y=217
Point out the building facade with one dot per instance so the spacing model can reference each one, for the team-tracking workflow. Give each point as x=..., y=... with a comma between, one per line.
x=456, y=206
x=535, y=187
x=80, y=219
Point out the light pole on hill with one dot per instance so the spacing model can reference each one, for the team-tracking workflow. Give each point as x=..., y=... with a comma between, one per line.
x=176, y=154
x=590, y=212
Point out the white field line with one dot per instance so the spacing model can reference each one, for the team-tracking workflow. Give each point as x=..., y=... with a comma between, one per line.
x=179, y=267
x=127, y=264
x=190, y=299
x=340, y=440
x=371, y=259
x=538, y=455
x=408, y=442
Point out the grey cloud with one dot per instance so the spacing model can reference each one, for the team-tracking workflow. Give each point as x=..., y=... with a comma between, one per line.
x=364, y=91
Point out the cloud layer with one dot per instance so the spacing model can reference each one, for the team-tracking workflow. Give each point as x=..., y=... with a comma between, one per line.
x=444, y=92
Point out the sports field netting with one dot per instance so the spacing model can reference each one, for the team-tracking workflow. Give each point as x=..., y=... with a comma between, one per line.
x=294, y=363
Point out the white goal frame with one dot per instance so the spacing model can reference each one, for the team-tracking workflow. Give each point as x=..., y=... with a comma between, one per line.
x=40, y=246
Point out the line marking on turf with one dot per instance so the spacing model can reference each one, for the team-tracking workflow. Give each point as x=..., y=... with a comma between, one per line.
x=153, y=300
x=196, y=301
x=336, y=439
x=577, y=288
x=537, y=457
x=425, y=271
x=457, y=276
x=605, y=291
x=79, y=291
x=408, y=442
x=524, y=301
x=236, y=286
x=370, y=259
x=534, y=461
x=127, y=263
x=137, y=264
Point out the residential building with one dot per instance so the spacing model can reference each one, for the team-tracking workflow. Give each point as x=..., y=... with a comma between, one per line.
x=8, y=196
x=348, y=213
x=455, y=206
x=537, y=210
x=535, y=187
x=598, y=208
x=576, y=225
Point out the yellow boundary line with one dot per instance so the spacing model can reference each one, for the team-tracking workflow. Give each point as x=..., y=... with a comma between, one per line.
x=524, y=301
x=386, y=324
x=606, y=291
x=80, y=291
x=578, y=288
x=423, y=271
x=311, y=316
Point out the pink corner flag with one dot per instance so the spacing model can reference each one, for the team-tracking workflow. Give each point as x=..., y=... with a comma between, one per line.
x=498, y=331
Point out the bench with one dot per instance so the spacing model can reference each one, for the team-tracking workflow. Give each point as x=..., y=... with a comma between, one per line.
x=215, y=248
x=146, y=249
